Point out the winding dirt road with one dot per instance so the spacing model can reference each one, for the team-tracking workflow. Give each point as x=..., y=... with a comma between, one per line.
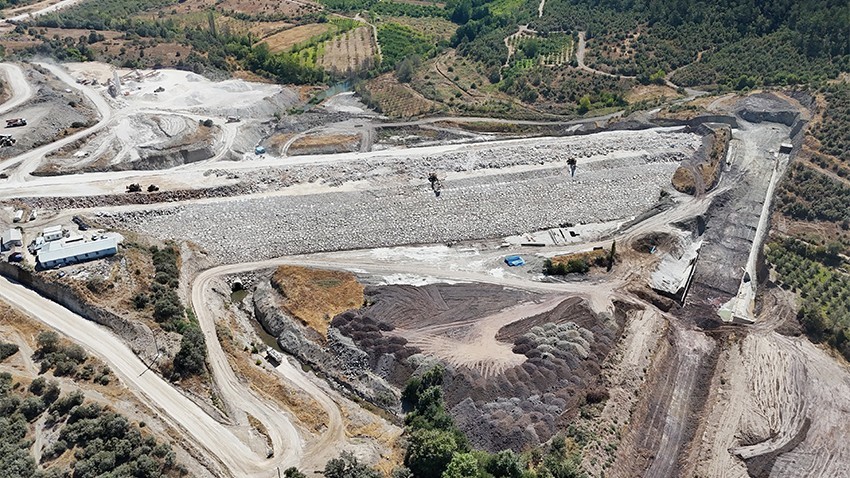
x=223, y=446
x=18, y=84
x=30, y=160
x=285, y=437
x=48, y=9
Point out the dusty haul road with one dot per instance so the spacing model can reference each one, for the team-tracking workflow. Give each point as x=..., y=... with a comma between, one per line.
x=43, y=9
x=18, y=84
x=221, y=444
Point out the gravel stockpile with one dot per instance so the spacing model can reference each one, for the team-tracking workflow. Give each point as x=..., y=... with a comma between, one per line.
x=479, y=207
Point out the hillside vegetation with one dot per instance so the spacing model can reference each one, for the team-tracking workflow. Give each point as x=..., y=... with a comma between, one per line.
x=814, y=198
x=80, y=438
x=513, y=61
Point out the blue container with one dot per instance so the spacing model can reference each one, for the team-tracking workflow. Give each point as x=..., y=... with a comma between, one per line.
x=514, y=261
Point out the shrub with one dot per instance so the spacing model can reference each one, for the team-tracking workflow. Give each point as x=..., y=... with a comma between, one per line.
x=47, y=342
x=347, y=466
x=191, y=358
x=7, y=350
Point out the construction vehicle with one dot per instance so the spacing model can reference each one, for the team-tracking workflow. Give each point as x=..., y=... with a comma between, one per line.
x=11, y=123
x=19, y=215
x=134, y=188
x=153, y=188
x=436, y=184
x=233, y=119
x=6, y=140
x=80, y=223
x=572, y=164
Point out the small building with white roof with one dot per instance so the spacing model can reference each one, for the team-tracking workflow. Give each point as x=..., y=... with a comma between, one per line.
x=12, y=238
x=62, y=253
x=53, y=233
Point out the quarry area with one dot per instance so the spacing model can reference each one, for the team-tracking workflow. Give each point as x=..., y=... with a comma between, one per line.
x=600, y=279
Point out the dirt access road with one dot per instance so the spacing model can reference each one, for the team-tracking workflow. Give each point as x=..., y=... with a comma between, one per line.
x=29, y=161
x=238, y=395
x=179, y=411
x=44, y=8
x=17, y=83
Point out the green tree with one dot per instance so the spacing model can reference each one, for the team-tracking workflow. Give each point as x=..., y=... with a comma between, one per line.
x=463, y=465
x=7, y=350
x=406, y=68
x=505, y=464
x=38, y=385
x=191, y=358
x=584, y=104
x=347, y=466
x=293, y=472
x=48, y=342
x=429, y=452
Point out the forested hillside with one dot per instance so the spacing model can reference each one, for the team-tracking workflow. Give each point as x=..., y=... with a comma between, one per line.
x=810, y=257
x=740, y=43
x=511, y=58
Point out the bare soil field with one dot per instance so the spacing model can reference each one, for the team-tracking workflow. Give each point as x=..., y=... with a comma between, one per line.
x=325, y=144
x=352, y=51
x=286, y=39
x=262, y=8
x=777, y=404
x=397, y=100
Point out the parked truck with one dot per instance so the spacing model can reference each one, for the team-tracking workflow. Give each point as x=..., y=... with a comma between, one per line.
x=11, y=123
x=19, y=215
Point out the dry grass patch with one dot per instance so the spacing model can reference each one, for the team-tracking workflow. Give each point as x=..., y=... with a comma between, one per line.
x=277, y=141
x=261, y=429
x=315, y=296
x=286, y=39
x=684, y=180
x=387, y=438
x=325, y=144
x=266, y=29
x=649, y=93
x=28, y=328
x=261, y=8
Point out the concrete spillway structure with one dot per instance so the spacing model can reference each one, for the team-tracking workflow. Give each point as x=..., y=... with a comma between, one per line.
x=673, y=275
